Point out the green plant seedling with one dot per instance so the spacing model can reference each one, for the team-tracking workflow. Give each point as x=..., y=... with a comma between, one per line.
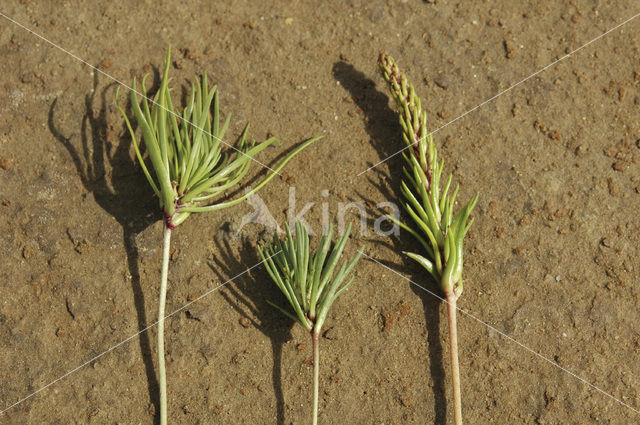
x=308, y=282
x=438, y=230
x=191, y=170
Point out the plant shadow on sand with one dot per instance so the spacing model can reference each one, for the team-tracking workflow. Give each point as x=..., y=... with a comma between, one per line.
x=119, y=187
x=385, y=132
x=248, y=295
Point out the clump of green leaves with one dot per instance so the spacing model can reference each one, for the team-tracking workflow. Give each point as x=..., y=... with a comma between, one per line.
x=191, y=167
x=308, y=282
x=438, y=230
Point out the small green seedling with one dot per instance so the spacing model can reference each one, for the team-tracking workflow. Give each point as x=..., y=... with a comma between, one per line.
x=191, y=170
x=307, y=280
x=438, y=230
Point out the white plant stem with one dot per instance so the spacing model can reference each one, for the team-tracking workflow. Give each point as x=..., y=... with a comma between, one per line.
x=162, y=373
x=315, y=336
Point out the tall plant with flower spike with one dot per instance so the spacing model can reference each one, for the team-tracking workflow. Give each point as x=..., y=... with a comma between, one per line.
x=191, y=170
x=438, y=230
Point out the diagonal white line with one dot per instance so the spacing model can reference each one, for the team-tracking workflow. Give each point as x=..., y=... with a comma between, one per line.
x=131, y=89
x=505, y=91
x=130, y=338
x=504, y=335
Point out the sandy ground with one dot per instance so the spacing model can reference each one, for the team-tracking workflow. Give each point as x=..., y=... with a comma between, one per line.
x=551, y=262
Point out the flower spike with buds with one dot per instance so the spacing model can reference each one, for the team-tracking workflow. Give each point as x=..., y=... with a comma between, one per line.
x=439, y=231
